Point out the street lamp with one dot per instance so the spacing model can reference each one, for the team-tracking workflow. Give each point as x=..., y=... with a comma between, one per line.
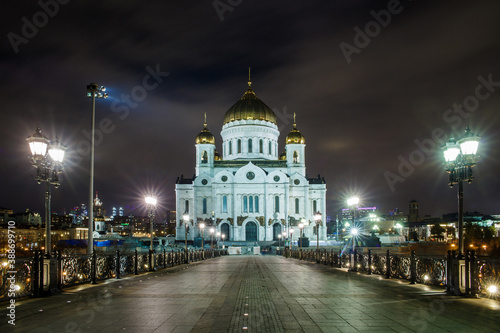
x=223, y=236
x=93, y=91
x=185, y=217
x=301, y=227
x=202, y=226
x=460, y=156
x=317, y=218
x=151, y=207
x=218, y=235
x=279, y=241
x=291, y=237
x=212, y=230
x=47, y=158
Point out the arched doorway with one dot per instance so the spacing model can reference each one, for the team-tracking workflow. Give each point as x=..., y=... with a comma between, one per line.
x=224, y=230
x=251, y=232
x=276, y=231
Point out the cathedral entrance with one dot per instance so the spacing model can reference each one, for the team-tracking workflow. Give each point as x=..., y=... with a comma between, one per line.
x=276, y=231
x=224, y=230
x=251, y=232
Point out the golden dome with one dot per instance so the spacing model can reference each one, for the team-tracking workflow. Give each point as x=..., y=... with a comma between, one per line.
x=249, y=107
x=295, y=136
x=205, y=135
x=283, y=156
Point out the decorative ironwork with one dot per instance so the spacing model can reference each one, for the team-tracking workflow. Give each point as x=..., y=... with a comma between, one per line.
x=23, y=278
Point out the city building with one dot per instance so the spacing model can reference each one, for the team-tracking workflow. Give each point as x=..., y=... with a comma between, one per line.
x=250, y=192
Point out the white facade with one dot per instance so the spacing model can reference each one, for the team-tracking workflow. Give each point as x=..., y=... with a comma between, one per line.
x=250, y=193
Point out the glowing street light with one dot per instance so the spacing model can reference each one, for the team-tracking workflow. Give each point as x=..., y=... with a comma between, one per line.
x=93, y=91
x=151, y=207
x=47, y=157
x=185, y=218
x=301, y=227
x=460, y=157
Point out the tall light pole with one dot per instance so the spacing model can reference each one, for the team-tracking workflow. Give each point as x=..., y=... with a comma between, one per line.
x=301, y=227
x=352, y=202
x=185, y=217
x=212, y=230
x=47, y=158
x=151, y=207
x=218, y=235
x=223, y=236
x=460, y=157
x=93, y=91
x=317, y=218
x=291, y=237
x=202, y=227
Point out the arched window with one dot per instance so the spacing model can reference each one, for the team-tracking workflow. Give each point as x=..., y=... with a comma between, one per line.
x=270, y=152
x=186, y=207
x=204, y=157
x=230, y=147
x=204, y=205
x=250, y=204
x=296, y=205
x=245, y=204
x=256, y=204
x=295, y=157
x=261, y=146
x=276, y=204
x=239, y=146
x=249, y=145
x=224, y=204
x=315, y=207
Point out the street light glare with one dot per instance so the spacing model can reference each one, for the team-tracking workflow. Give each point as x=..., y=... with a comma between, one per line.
x=151, y=200
x=352, y=201
x=354, y=231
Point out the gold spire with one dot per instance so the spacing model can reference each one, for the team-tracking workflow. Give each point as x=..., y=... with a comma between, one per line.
x=249, y=80
x=294, y=122
x=205, y=124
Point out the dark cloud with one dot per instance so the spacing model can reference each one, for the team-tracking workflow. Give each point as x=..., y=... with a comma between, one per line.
x=357, y=117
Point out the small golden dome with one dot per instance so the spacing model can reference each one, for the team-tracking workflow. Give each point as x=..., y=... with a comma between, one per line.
x=217, y=156
x=205, y=135
x=249, y=107
x=283, y=156
x=295, y=136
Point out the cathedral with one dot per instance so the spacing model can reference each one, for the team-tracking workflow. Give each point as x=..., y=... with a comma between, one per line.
x=250, y=192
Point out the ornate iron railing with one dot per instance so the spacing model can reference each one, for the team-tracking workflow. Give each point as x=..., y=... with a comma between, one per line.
x=77, y=269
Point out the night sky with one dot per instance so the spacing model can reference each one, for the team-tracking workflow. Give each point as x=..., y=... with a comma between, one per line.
x=364, y=93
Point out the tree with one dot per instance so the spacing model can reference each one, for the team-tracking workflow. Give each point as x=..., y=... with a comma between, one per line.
x=437, y=230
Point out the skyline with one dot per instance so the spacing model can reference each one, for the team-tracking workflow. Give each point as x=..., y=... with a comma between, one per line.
x=366, y=98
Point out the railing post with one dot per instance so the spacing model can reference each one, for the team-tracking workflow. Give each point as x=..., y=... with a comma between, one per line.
x=36, y=275
x=448, y=272
x=135, y=262
x=473, y=274
x=59, y=270
x=388, y=265
x=369, y=262
x=467, y=272
x=94, y=268
x=413, y=268
x=40, y=268
x=117, y=264
x=150, y=260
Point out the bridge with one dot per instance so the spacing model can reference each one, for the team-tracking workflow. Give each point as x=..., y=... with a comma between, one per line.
x=256, y=294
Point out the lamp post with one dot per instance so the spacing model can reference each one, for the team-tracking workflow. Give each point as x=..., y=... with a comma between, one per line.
x=317, y=218
x=460, y=156
x=185, y=217
x=301, y=228
x=151, y=207
x=223, y=236
x=291, y=237
x=202, y=227
x=212, y=230
x=93, y=91
x=47, y=158
x=218, y=235
x=352, y=202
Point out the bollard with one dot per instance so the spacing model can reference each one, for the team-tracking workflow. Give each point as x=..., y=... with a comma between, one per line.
x=94, y=268
x=369, y=262
x=117, y=264
x=388, y=265
x=413, y=268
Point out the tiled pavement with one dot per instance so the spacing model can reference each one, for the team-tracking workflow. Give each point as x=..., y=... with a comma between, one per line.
x=254, y=294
